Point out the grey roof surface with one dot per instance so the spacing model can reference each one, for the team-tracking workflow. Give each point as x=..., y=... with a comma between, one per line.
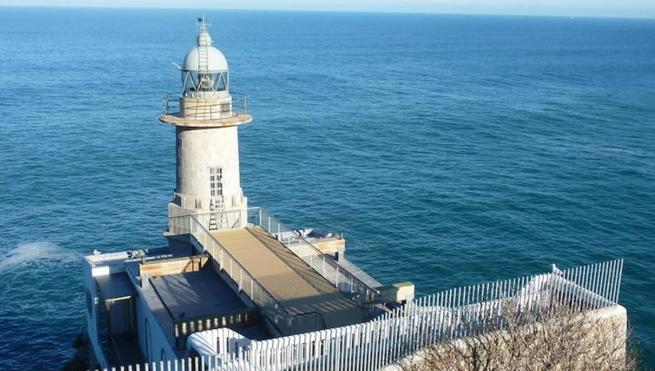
x=196, y=294
x=116, y=286
x=257, y=331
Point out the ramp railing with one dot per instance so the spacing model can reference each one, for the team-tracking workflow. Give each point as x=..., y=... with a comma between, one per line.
x=242, y=280
x=342, y=279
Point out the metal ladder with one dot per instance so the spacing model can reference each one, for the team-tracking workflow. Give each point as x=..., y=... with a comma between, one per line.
x=203, y=59
x=217, y=218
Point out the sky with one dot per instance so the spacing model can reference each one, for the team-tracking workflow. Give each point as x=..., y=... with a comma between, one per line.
x=590, y=8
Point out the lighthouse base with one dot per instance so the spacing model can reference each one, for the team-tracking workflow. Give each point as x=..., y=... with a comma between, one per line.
x=211, y=220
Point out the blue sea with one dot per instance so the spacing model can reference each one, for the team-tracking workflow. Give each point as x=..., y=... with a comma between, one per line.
x=449, y=149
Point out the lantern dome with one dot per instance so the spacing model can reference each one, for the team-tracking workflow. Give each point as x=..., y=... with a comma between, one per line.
x=208, y=60
x=204, y=57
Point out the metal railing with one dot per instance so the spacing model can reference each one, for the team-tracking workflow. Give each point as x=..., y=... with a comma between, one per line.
x=308, y=320
x=324, y=265
x=445, y=316
x=344, y=280
x=429, y=320
x=237, y=106
x=183, y=328
x=242, y=280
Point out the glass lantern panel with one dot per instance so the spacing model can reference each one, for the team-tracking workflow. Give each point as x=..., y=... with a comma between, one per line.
x=220, y=82
x=187, y=82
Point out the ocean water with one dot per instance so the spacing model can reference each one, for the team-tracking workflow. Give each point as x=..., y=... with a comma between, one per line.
x=448, y=149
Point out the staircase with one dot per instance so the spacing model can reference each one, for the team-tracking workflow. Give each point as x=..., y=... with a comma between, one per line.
x=218, y=217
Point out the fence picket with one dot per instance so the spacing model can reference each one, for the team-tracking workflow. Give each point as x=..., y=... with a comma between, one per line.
x=428, y=320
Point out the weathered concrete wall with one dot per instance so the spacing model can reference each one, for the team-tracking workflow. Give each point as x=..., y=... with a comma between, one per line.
x=210, y=108
x=198, y=150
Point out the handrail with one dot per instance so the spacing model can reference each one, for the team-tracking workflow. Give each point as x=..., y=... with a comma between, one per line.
x=281, y=228
x=338, y=275
x=289, y=321
x=220, y=255
x=184, y=327
x=314, y=314
x=224, y=252
x=239, y=101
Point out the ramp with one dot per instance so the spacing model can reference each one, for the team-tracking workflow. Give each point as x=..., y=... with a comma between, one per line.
x=296, y=286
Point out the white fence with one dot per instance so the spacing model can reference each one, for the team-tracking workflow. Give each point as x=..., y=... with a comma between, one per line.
x=451, y=314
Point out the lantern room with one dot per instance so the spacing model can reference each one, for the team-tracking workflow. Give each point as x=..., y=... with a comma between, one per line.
x=205, y=100
x=205, y=71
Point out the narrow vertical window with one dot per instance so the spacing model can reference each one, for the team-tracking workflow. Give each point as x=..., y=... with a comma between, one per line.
x=218, y=218
x=216, y=181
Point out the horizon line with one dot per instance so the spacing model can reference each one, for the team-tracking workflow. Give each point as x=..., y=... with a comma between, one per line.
x=325, y=10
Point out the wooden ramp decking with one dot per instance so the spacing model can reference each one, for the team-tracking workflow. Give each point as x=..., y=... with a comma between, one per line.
x=296, y=286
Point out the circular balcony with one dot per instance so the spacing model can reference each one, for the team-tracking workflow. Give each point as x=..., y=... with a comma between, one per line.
x=202, y=113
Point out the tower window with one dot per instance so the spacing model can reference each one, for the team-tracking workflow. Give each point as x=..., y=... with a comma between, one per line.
x=216, y=181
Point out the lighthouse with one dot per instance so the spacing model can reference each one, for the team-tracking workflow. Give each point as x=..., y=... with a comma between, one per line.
x=206, y=117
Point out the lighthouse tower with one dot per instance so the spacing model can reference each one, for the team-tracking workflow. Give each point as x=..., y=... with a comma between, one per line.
x=206, y=117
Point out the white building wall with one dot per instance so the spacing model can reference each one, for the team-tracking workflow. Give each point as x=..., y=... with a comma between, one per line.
x=111, y=263
x=91, y=326
x=157, y=341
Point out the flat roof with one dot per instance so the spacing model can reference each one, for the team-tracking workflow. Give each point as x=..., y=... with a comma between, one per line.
x=116, y=286
x=196, y=294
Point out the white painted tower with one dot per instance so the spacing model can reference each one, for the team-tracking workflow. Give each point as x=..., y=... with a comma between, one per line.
x=206, y=121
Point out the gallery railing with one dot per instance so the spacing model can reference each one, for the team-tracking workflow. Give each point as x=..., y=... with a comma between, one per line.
x=238, y=105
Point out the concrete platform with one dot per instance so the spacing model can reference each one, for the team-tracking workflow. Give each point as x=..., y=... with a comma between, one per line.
x=296, y=286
